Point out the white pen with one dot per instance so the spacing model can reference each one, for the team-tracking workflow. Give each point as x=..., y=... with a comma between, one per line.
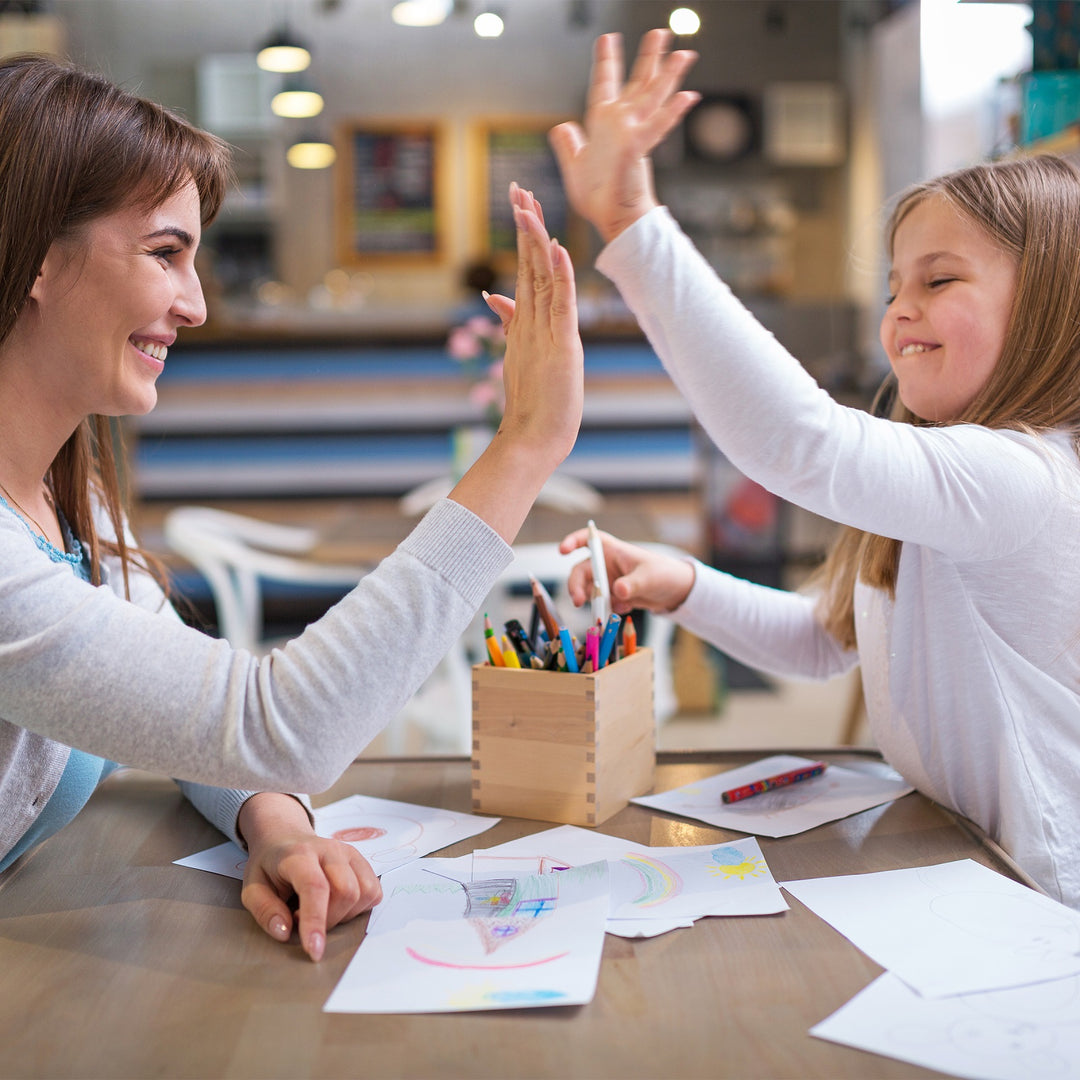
x=601, y=594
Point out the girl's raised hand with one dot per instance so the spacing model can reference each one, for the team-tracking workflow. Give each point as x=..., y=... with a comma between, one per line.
x=605, y=165
x=638, y=578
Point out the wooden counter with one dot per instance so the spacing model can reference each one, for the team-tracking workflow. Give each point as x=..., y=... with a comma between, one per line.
x=118, y=964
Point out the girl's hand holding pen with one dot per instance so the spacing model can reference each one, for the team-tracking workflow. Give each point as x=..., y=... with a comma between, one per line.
x=605, y=165
x=638, y=578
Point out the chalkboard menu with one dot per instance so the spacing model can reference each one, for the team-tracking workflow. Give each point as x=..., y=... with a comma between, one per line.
x=517, y=149
x=390, y=194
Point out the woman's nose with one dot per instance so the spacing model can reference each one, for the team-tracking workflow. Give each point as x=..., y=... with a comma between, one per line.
x=190, y=305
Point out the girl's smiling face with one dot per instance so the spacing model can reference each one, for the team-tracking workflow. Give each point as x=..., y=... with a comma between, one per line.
x=110, y=303
x=952, y=289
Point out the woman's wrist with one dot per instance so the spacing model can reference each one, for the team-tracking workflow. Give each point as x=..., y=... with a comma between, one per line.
x=271, y=813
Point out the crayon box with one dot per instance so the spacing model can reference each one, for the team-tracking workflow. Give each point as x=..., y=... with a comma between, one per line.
x=562, y=747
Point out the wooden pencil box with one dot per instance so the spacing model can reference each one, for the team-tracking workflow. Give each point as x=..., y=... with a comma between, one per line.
x=562, y=747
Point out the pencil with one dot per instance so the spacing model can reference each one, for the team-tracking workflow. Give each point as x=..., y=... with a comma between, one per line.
x=607, y=640
x=492, y=644
x=510, y=656
x=793, y=776
x=629, y=637
x=546, y=606
x=568, y=650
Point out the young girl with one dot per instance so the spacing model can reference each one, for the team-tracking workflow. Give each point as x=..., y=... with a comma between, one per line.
x=956, y=584
x=102, y=200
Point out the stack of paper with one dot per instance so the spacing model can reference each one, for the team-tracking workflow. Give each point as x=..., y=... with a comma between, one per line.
x=983, y=974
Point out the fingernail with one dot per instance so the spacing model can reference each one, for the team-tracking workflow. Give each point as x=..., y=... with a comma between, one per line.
x=316, y=943
x=279, y=928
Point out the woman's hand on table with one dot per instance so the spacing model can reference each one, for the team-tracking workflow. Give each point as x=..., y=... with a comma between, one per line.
x=331, y=881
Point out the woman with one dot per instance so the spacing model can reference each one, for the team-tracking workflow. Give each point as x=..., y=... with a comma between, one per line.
x=103, y=197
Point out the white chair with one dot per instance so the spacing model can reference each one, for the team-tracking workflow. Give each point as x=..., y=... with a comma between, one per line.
x=237, y=554
x=512, y=599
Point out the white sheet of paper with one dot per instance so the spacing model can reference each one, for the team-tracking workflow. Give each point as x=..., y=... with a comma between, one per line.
x=837, y=793
x=499, y=943
x=387, y=833
x=1013, y=1034
x=226, y=859
x=664, y=883
x=953, y=928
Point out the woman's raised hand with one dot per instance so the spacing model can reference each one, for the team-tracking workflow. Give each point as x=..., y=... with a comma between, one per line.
x=543, y=376
x=605, y=164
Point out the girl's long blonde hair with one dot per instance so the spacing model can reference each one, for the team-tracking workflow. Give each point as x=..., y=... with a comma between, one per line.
x=74, y=147
x=1031, y=208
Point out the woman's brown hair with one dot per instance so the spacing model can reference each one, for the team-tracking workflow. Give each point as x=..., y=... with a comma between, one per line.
x=74, y=147
x=1030, y=207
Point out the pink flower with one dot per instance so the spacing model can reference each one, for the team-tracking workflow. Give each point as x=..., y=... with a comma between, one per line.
x=464, y=344
x=483, y=394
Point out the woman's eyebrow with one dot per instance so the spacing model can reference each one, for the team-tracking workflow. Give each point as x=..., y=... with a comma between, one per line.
x=171, y=230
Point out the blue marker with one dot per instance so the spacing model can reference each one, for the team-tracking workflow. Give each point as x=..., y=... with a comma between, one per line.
x=568, y=649
x=607, y=642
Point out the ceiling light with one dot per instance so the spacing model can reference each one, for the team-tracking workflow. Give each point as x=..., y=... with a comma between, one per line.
x=311, y=153
x=296, y=99
x=421, y=12
x=488, y=25
x=684, y=21
x=282, y=52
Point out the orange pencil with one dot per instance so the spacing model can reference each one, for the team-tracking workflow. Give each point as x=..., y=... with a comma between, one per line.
x=492, y=644
x=629, y=637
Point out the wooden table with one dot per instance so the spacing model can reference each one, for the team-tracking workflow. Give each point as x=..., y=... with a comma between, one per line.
x=118, y=964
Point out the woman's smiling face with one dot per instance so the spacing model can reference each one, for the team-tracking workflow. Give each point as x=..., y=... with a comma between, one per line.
x=110, y=302
x=952, y=290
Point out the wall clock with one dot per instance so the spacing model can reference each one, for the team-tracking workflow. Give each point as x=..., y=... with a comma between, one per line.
x=721, y=127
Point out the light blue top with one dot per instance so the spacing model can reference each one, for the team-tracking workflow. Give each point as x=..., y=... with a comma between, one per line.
x=83, y=772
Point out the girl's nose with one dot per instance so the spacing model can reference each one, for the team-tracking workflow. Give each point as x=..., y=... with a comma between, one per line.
x=903, y=305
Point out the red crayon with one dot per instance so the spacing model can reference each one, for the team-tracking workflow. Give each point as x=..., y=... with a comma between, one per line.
x=804, y=772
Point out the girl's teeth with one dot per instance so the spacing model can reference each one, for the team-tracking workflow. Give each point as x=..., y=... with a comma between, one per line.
x=907, y=350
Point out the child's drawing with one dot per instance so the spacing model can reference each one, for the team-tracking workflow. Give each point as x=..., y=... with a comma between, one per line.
x=659, y=882
x=1021, y=923
x=537, y=940
x=954, y=928
x=672, y=884
x=387, y=833
x=834, y=794
x=732, y=862
x=1012, y=1034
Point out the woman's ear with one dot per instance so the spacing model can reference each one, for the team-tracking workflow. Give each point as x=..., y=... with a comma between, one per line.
x=45, y=274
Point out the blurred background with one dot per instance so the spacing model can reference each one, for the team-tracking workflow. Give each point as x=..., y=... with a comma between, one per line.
x=328, y=389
